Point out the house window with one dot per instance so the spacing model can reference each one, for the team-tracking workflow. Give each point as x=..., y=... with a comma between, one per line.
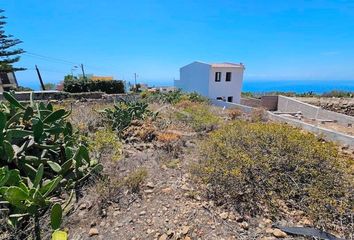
x=228, y=77
x=219, y=98
x=217, y=76
x=229, y=99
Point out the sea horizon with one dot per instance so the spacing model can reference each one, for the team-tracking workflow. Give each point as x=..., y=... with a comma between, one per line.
x=259, y=86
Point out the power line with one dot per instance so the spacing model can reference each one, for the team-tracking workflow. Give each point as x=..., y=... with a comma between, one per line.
x=59, y=60
x=50, y=58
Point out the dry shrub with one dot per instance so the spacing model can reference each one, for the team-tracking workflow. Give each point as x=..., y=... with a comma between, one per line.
x=171, y=143
x=168, y=137
x=105, y=143
x=200, y=117
x=140, y=130
x=258, y=115
x=184, y=104
x=234, y=113
x=134, y=180
x=257, y=166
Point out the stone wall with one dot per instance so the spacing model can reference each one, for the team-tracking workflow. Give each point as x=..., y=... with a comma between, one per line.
x=287, y=104
x=339, y=105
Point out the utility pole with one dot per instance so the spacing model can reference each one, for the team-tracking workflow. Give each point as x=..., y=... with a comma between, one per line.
x=135, y=86
x=83, y=71
x=40, y=78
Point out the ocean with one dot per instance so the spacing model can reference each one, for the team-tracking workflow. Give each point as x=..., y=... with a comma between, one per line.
x=261, y=86
x=298, y=86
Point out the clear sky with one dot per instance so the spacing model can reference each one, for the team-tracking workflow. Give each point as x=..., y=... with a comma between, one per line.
x=276, y=40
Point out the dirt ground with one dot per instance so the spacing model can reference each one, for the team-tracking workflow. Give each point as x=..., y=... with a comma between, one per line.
x=169, y=204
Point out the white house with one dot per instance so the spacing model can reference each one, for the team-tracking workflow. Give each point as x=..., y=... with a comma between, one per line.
x=221, y=81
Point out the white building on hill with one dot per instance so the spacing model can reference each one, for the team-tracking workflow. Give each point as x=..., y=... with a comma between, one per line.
x=221, y=81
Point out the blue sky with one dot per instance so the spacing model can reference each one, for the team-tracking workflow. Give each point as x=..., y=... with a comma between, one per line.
x=276, y=40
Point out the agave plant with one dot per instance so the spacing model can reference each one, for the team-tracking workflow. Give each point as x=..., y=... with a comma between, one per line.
x=40, y=157
x=123, y=113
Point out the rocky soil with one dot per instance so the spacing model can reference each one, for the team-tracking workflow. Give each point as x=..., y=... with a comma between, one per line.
x=170, y=204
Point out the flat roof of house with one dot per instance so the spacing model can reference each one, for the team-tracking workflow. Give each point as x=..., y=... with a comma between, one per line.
x=226, y=64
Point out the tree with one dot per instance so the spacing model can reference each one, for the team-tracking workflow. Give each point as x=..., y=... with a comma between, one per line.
x=8, y=54
x=50, y=86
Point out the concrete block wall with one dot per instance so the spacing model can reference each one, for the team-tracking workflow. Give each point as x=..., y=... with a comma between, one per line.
x=251, y=102
x=269, y=102
x=327, y=134
x=286, y=104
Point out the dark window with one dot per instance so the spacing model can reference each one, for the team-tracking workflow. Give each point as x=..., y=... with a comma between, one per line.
x=219, y=98
x=228, y=76
x=229, y=99
x=217, y=76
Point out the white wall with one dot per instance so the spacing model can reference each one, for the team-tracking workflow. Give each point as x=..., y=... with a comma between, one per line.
x=194, y=78
x=223, y=88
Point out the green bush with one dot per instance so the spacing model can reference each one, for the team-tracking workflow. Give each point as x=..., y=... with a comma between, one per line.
x=87, y=85
x=173, y=97
x=262, y=167
x=40, y=157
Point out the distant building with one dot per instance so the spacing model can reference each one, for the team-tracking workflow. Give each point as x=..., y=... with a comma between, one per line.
x=222, y=81
x=104, y=78
x=96, y=78
x=7, y=81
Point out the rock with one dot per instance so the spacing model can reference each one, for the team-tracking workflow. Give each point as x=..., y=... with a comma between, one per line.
x=163, y=237
x=245, y=225
x=142, y=213
x=224, y=215
x=279, y=234
x=93, y=223
x=150, y=185
x=93, y=232
x=149, y=191
x=82, y=206
x=170, y=233
x=185, y=230
x=269, y=230
x=166, y=190
x=306, y=222
x=187, y=238
x=185, y=187
x=267, y=221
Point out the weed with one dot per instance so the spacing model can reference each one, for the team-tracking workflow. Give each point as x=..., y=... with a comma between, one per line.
x=134, y=180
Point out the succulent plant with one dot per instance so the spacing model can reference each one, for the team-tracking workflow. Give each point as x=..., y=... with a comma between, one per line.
x=40, y=157
x=124, y=112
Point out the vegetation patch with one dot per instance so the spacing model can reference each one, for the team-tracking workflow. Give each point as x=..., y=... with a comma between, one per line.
x=199, y=116
x=41, y=157
x=272, y=168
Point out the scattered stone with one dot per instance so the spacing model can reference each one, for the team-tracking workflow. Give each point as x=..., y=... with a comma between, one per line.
x=166, y=190
x=93, y=232
x=170, y=233
x=82, y=206
x=185, y=230
x=142, y=213
x=245, y=225
x=163, y=237
x=269, y=230
x=187, y=238
x=224, y=215
x=150, y=185
x=148, y=191
x=279, y=233
x=93, y=223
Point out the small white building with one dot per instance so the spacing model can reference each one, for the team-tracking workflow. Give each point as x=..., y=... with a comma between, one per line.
x=222, y=81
